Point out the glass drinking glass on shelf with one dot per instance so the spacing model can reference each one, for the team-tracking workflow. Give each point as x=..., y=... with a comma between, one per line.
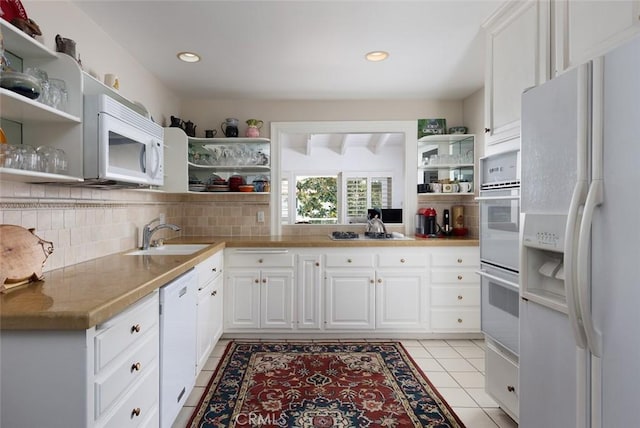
x=59, y=95
x=62, y=162
x=47, y=159
x=434, y=160
x=29, y=159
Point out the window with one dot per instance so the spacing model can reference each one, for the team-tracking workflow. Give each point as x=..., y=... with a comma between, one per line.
x=317, y=197
x=364, y=191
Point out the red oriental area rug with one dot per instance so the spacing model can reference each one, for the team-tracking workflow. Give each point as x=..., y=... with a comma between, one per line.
x=320, y=385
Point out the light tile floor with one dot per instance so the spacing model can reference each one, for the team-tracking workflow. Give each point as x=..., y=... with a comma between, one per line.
x=454, y=367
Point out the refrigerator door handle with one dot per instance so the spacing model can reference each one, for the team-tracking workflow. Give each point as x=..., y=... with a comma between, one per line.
x=594, y=198
x=570, y=264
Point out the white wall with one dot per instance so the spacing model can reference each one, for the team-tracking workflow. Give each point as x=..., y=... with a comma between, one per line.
x=100, y=55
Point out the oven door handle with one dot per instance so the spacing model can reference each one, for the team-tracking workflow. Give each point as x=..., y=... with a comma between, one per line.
x=497, y=198
x=483, y=273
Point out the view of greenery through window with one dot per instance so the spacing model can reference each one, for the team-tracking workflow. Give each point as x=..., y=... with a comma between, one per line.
x=317, y=198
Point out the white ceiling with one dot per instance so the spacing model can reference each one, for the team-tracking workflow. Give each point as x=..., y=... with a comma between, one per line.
x=302, y=49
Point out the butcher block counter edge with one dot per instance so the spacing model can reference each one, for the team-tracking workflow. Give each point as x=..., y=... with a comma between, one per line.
x=87, y=294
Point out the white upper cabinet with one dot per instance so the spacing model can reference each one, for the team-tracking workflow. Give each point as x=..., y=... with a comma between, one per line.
x=517, y=58
x=585, y=29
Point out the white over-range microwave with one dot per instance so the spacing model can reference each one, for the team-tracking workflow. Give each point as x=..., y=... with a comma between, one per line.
x=121, y=146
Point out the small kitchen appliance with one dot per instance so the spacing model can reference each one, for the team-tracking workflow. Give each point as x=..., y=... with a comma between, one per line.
x=426, y=225
x=446, y=223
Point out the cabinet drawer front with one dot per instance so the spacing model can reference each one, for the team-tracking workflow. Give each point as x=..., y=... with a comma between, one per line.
x=136, y=406
x=259, y=258
x=455, y=296
x=111, y=385
x=502, y=379
x=454, y=276
x=349, y=260
x=455, y=319
x=460, y=257
x=209, y=269
x=124, y=330
x=404, y=259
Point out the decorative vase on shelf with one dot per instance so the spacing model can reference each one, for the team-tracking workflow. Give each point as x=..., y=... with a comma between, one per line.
x=253, y=130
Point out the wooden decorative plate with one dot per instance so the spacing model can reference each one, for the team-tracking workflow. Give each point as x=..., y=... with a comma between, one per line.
x=22, y=255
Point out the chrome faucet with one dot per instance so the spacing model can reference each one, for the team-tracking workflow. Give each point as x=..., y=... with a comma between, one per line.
x=147, y=231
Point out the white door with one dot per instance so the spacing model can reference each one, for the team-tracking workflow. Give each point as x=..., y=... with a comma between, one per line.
x=309, y=291
x=517, y=58
x=400, y=299
x=614, y=250
x=242, y=296
x=216, y=314
x=276, y=299
x=204, y=338
x=349, y=299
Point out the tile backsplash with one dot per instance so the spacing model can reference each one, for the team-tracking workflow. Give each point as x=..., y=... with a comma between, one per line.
x=85, y=223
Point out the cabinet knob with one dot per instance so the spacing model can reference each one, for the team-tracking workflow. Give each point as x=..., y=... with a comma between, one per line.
x=402, y=260
x=460, y=277
x=459, y=260
x=135, y=328
x=371, y=281
x=459, y=297
x=379, y=280
x=459, y=320
x=257, y=281
x=136, y=367
x=135, y=412
x=487, y=130
x=511, y=388
x=214, y=270
x=260, y=260
x=264, y=280
x=317, y=264
x=214, y=292
x=349, y=261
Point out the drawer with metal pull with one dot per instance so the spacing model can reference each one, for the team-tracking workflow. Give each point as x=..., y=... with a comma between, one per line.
x=259, y=257
x=454, y=276
x=467, y=319
x=123, y=330
x=360, y=259
x=455, y=296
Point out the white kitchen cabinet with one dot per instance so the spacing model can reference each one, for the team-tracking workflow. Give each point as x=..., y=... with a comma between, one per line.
x=308, y=290
x=40, y=124
x=455, y=290
x=105, y=376
x=446, y=157
x=501, y=380
x=189, y=158
x=586, y=29
x=349, y=299
x=210, y=306
x=259, y=289
x=387, y=292
x=517, y=57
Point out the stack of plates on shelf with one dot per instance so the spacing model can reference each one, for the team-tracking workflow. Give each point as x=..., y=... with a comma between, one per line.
x=197, y=187
x=218, y=187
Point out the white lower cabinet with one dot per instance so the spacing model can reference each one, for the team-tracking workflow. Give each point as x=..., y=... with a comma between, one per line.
x=502, y=378
x=349, y=299
x=259, y=289
x=455, y=289
x=106, y=376
x=347, y=290
x=210, y=306
x=384, y=289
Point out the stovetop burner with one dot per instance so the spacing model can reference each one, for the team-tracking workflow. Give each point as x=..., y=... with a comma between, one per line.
x=378, y=235
x=345, y=235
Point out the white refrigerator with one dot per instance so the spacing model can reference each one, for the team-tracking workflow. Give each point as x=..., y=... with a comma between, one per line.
x=580, y=246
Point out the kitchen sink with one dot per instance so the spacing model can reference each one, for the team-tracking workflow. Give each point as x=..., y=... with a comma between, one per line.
x=169, y=250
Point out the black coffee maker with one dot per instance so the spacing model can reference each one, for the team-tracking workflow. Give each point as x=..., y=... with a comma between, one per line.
x=426, y=225
x=446, y=223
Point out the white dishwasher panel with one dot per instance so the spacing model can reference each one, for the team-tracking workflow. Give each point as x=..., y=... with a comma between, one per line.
x=178, y=301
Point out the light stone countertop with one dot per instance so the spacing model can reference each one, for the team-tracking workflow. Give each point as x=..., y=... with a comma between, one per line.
x=84, y=295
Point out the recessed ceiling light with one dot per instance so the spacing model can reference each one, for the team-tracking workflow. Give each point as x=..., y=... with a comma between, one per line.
x=188, y=57
x=377, y=56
